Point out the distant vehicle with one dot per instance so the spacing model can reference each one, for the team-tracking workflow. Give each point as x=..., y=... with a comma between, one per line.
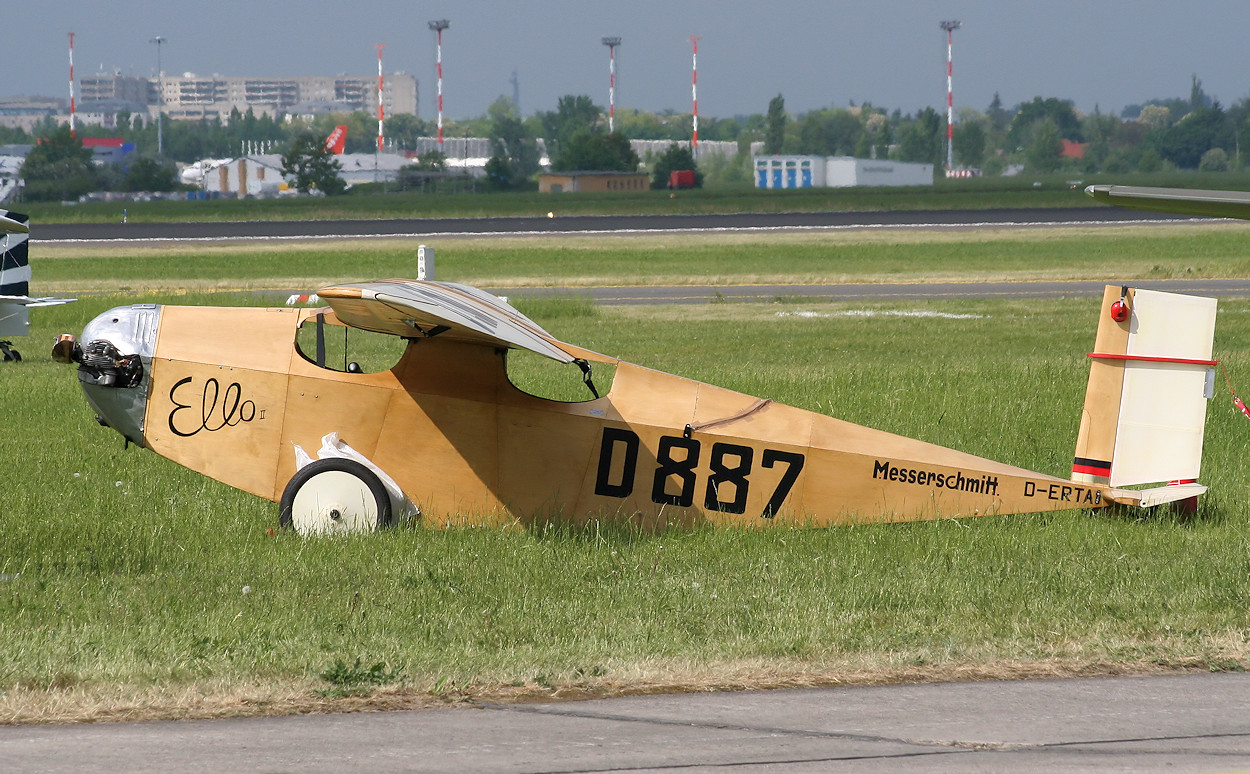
x=238, y=394
x=15, y=283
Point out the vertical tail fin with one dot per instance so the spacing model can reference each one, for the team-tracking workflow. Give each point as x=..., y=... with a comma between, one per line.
x=15, y=277
x=337, y=140
x=1151, y=375
x=14, y=260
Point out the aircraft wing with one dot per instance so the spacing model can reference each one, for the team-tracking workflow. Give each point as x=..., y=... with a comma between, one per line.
x=28, y=301
x=417, y=308
x=1183, y=201
x=11, y=225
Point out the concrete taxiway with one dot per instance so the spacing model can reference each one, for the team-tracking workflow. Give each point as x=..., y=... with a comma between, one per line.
x=1175, y=723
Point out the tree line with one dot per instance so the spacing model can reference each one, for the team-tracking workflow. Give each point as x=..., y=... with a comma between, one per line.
x=1043, y=135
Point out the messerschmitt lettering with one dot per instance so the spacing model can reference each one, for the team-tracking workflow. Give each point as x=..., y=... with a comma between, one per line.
x=888, y=471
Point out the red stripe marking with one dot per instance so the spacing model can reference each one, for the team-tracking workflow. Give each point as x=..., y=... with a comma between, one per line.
x=1152, y=359
x=1091, y=470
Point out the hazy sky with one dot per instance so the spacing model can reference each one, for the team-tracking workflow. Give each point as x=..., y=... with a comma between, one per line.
x=817, y=53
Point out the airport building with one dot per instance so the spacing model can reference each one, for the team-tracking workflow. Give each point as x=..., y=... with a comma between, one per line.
x=26, y=113
x=836, y=172
x=593, y=182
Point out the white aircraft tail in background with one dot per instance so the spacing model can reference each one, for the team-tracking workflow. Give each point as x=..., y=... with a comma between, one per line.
x=15, y=299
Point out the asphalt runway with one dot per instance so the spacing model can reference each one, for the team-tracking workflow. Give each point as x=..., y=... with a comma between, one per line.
x=1178, y=723
x=583, y=224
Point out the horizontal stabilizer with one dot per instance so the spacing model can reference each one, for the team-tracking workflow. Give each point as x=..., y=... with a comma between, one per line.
x=1169, y=494
x=12, y=226
x=28, y=301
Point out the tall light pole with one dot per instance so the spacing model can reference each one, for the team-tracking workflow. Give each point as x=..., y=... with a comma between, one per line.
x=950, y=27
x=379, y=47
x=160, y=96
x=438, y=26
x=611, y=43
x=71, y=85
x=694, y=95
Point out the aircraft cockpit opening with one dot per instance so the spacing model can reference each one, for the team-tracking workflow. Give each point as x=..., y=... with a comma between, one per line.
x=542, y=377
x=324, y=341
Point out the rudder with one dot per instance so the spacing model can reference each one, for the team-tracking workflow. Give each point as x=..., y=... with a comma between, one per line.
x=1150, y=377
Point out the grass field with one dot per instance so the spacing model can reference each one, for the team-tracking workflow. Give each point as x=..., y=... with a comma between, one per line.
x=1124, y=252
x=130, y=587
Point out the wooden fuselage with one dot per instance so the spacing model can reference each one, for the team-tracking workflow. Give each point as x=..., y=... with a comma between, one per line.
x=230, y=396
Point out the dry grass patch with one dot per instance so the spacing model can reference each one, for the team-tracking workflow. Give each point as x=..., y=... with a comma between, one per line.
x=224, y=698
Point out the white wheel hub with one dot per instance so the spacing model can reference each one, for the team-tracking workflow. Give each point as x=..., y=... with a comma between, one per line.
x=334, y=502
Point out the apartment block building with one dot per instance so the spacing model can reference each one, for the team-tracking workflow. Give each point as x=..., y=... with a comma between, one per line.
x=190, y=96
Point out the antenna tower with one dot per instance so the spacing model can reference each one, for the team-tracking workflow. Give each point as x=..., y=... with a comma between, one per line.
x=611, y=43
x=694, y=95
x=379, y=47
x=438, y=26
x=71, y=85
x=950, y=27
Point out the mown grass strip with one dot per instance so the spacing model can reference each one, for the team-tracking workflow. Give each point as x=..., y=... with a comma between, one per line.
x=1119, y=252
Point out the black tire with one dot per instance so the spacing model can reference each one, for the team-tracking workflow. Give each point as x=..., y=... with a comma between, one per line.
x=309, y=474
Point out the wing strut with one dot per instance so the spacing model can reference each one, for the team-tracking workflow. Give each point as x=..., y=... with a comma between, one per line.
x=585, y=366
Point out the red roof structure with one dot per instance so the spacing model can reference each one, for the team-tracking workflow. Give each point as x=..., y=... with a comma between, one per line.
x=1073, y=150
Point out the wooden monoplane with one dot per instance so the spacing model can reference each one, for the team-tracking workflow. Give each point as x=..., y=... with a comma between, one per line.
x=233, y=393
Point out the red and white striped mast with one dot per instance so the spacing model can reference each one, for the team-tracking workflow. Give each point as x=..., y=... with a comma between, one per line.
x=71, y=85
x=379, y=47
x=694, y=95
x=438, y=26
x=611, y=43
x=950, y=27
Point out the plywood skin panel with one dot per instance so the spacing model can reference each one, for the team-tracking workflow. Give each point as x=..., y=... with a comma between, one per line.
x=1095, y=439
x=223, y=422
x=547, y=446
x=443, y=452
x=257, y=339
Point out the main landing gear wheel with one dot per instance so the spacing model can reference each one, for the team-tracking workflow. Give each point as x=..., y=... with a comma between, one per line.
x=332, y=497
x=8, y=353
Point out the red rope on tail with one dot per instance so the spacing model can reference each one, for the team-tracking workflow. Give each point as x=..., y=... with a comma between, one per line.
x=1241, y=406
